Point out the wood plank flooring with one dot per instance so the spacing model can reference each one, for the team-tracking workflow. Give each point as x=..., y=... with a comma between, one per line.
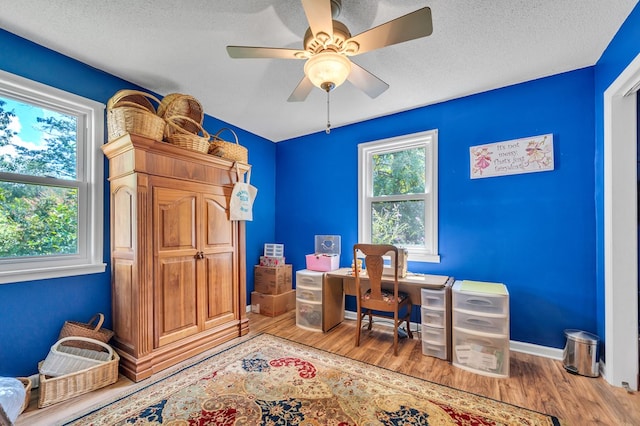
x=537, y=383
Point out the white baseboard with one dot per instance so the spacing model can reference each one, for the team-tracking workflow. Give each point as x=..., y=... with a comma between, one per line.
x=530, y=348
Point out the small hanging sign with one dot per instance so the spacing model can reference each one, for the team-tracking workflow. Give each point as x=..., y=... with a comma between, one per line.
x=526, y=155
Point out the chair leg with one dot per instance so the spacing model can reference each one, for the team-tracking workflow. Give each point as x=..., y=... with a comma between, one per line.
x=358, y=326
x=370, y=319
x=396, y=323
x=409, y=333
x=409, y=322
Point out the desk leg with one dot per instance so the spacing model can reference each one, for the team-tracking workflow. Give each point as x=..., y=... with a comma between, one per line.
x=332, y=302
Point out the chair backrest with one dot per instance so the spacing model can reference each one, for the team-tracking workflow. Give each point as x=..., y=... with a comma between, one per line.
x=374, y=265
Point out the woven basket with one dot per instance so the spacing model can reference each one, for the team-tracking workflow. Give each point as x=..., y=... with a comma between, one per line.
x=177, y=104
x=27, y=389
x=229, y=150
x=58, y=389
x=185, y=139
x=63, y=360
x=131, y=111
x=92, y=330
x=133, y=98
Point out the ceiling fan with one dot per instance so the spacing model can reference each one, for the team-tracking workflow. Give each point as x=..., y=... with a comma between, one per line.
x=328, y=44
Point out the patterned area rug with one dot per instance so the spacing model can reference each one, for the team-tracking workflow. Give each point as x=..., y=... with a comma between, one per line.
x=267, y=380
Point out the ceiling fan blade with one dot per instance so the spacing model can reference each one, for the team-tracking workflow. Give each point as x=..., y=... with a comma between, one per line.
x=408, y=27
x=365, y=81
x=265, y=52
x=301, y=92
x=319, y=16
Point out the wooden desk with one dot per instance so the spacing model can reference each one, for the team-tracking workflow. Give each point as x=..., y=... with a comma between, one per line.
x=410, y=284
x=343, y=280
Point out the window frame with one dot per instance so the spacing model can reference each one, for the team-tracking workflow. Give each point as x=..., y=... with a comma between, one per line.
x=89, y=182
x=427, y=140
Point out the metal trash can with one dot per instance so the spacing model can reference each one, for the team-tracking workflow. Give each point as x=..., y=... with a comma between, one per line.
x=581, y=353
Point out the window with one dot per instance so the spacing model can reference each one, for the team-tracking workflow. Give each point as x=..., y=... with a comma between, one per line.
x=398, y=194
x=51, y=182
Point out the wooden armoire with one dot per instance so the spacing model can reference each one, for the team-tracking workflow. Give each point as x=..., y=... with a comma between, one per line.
x=178, y=267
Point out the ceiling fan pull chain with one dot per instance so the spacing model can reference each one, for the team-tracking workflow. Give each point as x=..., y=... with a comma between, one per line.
x=328, y=130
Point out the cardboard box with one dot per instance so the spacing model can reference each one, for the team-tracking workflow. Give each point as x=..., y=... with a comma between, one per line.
x=272, y=260
x=272, y=305
x=323, y=262
x=272, y=279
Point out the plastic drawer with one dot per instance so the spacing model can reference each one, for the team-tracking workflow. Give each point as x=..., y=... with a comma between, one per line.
x=432, y=318
x=432, y=299
x=482, y=303
x=481, y=353
x=309, y=294
x=436, y=336
x=483, y=323
x=309, y=279
x=309, y=315
x=434, y=350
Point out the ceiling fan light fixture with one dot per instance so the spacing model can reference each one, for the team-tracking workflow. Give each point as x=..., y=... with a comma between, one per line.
x=327, y=70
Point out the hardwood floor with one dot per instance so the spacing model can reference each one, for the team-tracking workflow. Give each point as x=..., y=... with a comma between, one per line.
x=537, y=383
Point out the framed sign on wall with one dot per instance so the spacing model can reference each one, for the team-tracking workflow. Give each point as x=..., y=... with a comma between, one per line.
x=526, y=155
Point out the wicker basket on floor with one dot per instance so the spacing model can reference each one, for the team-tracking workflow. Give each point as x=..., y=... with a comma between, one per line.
x=57, y=389
x=63, y=360
x=229, y=150
x=93, y=330
x=178, y=105
x=183, y=138
x=27, y=389
x=131, y=111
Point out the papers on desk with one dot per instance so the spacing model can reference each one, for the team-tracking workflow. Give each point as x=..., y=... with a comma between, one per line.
x=411, y=278
x=439, y=280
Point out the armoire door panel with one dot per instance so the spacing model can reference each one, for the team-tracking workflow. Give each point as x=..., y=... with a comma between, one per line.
x=218, y=228
x=176, y=216
x=175, y=287
x=123, y=205
x=123, y=296
x=221, y=297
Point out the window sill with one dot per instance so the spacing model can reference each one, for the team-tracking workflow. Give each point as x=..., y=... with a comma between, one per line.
x=426, y=258
x=48, y=273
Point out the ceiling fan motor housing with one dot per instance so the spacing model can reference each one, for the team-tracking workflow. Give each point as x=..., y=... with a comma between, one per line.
x=337, y=43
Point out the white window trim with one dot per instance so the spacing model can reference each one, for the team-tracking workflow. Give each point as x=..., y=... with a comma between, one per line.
x=428, y=140
x=91, y=239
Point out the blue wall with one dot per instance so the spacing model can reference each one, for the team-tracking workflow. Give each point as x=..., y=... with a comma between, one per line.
x=534, y=232
x=32, y=313
x=624, y=47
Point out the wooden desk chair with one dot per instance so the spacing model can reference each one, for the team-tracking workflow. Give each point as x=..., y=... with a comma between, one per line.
x=378, y=301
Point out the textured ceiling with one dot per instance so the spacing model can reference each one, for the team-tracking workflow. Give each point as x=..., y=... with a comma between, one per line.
x=170, y=46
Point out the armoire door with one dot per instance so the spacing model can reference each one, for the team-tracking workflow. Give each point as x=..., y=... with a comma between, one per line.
x=175, y=224
x=219, y=241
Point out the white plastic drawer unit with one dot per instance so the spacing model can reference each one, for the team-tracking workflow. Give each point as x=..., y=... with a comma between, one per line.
x=309, y=294
x=487, y=323
x=434, y=336
x=481, y=303
x=309, y=315
x=481, y=328
x=436, y=350
x=433, y=299
x=482, y=353
x=309, y=279
x=432, y=318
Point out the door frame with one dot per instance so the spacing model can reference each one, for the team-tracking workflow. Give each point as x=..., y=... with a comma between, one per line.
x=621, y=228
